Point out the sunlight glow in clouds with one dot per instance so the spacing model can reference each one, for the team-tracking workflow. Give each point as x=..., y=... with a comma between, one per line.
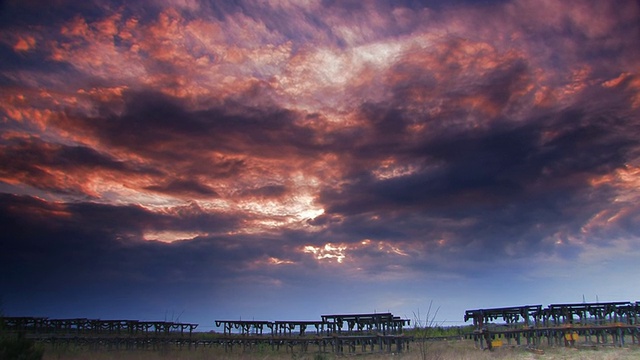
x=328, y=252
x=171, y=236
x=388, y=170
x=276, y=261
x=339, y=252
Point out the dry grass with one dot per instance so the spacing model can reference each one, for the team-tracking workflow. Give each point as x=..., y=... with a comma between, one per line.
x=452, y=350
x=464, y=350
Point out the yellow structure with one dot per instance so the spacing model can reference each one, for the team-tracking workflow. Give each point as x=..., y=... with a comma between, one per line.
x=573, y=336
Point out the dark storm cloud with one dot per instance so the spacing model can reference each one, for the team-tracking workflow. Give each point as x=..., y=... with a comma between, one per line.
x=278, y=144
x=44, y=241
x=30, y=13
x=519, y=182
x=96, y=242
x=34, y=152
x=152, y=119
x=190, y=153
x=37, y=163
x=97, y=252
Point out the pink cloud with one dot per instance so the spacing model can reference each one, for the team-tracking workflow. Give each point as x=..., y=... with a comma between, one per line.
x=25, y=43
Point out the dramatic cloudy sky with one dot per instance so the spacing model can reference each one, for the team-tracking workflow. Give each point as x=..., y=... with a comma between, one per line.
x=275, y=160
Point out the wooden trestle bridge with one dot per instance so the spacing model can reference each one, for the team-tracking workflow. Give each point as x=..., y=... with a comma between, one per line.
x=336, y=333
x=81, y=326
x=348, y=333
x=610, y=323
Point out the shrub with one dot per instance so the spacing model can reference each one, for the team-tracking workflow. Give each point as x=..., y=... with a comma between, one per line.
x=19, y=348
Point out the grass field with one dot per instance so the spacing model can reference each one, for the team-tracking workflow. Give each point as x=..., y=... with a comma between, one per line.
x=444, y=350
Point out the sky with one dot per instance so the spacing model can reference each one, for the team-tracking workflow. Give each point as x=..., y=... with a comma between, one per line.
x=191, y=161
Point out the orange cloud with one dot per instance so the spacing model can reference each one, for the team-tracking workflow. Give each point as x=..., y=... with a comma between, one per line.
x=25, y=43
x=630, y=82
